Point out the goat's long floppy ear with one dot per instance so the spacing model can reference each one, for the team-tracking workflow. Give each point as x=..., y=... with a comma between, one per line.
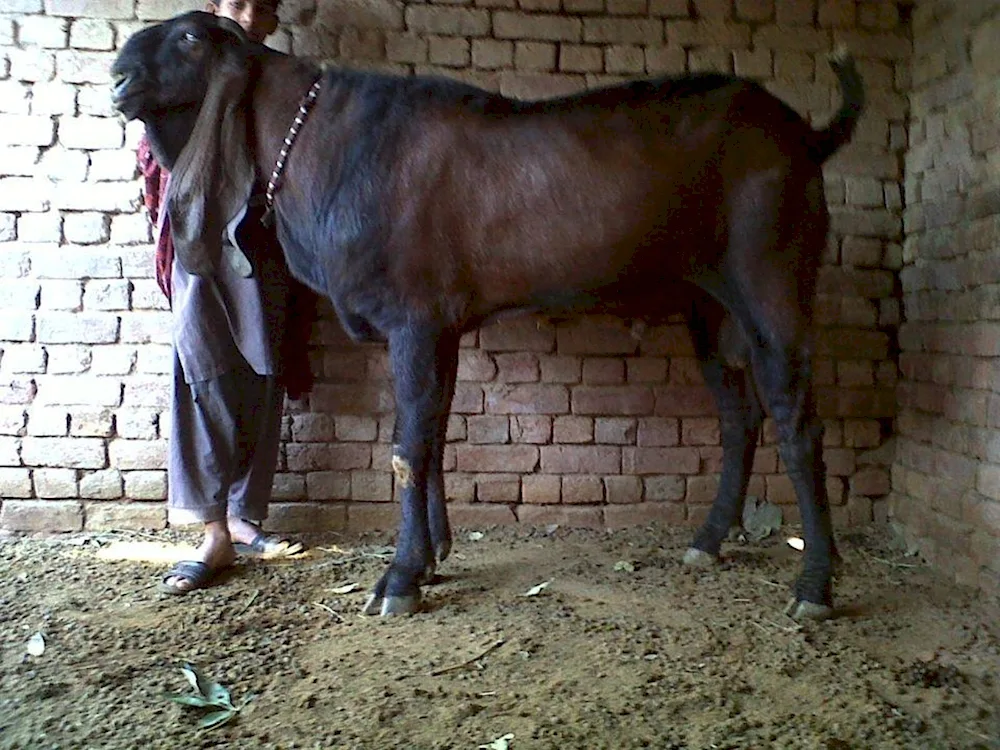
x=213, y=176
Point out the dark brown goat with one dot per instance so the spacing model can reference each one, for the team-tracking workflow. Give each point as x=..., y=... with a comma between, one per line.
x=425, y=207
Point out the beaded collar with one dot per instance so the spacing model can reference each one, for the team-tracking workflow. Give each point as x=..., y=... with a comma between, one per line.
x=305, y=106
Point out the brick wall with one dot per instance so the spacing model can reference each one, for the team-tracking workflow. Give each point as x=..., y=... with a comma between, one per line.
x=946, y=479
x=583, y=422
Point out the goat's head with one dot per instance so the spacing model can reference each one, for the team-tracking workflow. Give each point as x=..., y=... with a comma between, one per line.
x=186, y=79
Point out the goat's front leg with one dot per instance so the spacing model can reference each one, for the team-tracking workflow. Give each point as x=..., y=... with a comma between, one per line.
x=416, y=355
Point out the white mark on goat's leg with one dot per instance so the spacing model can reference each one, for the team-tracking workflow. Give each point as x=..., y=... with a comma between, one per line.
x=403, y=471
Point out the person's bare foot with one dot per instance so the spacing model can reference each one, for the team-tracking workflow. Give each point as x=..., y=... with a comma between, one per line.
x=215, y=551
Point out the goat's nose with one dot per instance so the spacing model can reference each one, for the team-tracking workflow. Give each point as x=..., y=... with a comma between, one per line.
x=121, y=83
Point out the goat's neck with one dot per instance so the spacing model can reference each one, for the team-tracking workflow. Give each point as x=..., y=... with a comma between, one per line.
x=281, y=83
x=168, y=132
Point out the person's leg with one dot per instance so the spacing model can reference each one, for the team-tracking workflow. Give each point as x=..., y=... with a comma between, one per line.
x=204, y=449
x=261, y=409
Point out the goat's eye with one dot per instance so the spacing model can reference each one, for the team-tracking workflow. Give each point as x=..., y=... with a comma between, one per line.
x=191, y=38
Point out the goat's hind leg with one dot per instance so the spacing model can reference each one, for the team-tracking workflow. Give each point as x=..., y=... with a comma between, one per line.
x=719, y=347
x=437, y=511
x=419, y=356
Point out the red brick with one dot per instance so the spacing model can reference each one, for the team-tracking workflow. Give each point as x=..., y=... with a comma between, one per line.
x=702, y=490
x=476, y=365
x=459, y=488
x=527, y=399
x=102, y=516
x=582, y=490
x=840, y=462
x=872, y=481
x=595, y=335
x=713, y=10
x=563, y=515
x=547, y=27
x=325, y=485
x=836, y=490
x=313, y=456
x=837, y=13
x=862, y=433
x=501, y=458
x=557, y=368
x=299, y=517
x=663, y=487
x=796, y=12
x=684, y=401
x=624, y=489
x=642, y=514
x=765, y=460
x=700, y=431
x=568, y=459
x=603, y=371
x=612, y=400
x=711, y=458
x=755, y=10
x=669, y=8
x=541, y=489
x=361, y=429
x=666, y=341
x=41, y=515
x=517, y=367
x=475, y=516
x=351, y=399
x=488, y=429
x=528, y=428
x=780, y=490
x=372, y=517
x=686, y=371
x=614, y=430
x=573, y=430
x=708, y=34
x=646, y=370
x=371, y=486
x=657, y=432
x=660, y=461
x=521, y=334
x=498, y=488
x=468, y=399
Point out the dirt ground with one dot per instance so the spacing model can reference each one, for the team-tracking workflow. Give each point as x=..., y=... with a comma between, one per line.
x=625, y=648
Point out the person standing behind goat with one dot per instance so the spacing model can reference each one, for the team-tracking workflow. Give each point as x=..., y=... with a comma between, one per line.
x=239, y=343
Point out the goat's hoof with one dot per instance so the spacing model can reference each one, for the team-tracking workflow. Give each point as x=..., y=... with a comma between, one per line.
x=428, y=575
x=803, y=610
x=699, y=558
x=391, y=605
x=443, y=550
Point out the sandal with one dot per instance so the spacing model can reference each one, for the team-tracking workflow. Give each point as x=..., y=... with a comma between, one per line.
x=198, y=574
x=270, y=547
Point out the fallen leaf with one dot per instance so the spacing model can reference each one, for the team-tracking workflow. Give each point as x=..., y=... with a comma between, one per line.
x=500, y=743
x=36, y=644
x=624, y=566
x=475, y=536
x=347, y=588
x=536, y=590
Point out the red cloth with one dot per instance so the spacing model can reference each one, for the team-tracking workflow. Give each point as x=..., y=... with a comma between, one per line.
x=295, y=372
x=156, y=179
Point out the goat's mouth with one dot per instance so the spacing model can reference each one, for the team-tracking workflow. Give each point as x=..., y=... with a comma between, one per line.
x=126, y=95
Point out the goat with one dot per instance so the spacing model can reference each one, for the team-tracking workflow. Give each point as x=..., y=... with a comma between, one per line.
x=424, y=208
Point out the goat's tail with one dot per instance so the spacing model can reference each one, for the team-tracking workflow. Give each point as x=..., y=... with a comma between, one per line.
x=852, y=89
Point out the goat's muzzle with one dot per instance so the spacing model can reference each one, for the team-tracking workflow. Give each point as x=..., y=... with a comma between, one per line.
x=126, y=93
